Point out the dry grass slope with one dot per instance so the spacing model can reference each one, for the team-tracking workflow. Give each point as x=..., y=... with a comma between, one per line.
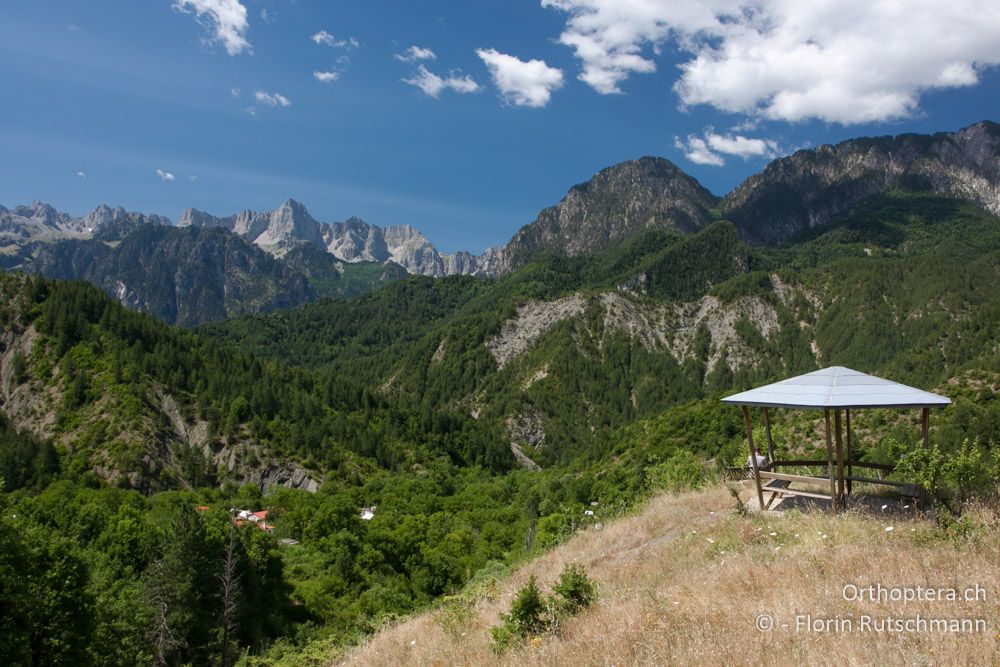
x=683, y=581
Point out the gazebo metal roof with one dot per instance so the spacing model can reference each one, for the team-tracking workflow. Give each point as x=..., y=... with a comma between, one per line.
x=837, y=387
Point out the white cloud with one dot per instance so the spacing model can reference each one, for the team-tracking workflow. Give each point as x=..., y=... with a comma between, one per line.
x=697, y=150
x=193, y=179
x=710, y=149
x=415, y=53
x=227, y=18
x=326, y=77
x=81, y=174
x=740, y=146
x=272, y=99
x=524, y=83
x=235, y=92
x=323, y=37
x=432, y=85
x=326, y=39
x=165, y=176
x=842, y=61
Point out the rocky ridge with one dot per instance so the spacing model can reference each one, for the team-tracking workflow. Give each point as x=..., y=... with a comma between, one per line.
x=352, y=240
x=616, y=204
x=41, y=222
x=792, y=195
x=670, y=328
x=818, y=186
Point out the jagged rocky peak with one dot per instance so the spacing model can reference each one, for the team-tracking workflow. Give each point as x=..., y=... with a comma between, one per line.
x=275, y=231
x=195, y=218
x=287, y=226
x=41, y=222
x=43, y=214
x=618, y=203
x=354, y=240
x=102, y=215
x=818, y=186
x=38, y=222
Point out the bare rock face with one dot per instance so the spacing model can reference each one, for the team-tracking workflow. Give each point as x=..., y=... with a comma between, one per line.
x=533, y=320
x=493, y=262
x=354, y=240
x=285, y=474
x=617, y=204
x=276, y=231
x=816, y=187
x=41, y=222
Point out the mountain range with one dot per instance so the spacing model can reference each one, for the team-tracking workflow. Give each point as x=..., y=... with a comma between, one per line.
x=792, y=196
x=481, y=421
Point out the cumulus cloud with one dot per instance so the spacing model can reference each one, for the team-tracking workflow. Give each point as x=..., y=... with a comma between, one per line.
x=81, y=174
x=523, y=83
x=842, y=61
x=193, y=179
x=710, y=148
x=226, y=18
x=326, y=77
x=272, y=99
x=415, y=53
x=696, y=149
x=433, y=85
x=165, y=176
x=326, y=39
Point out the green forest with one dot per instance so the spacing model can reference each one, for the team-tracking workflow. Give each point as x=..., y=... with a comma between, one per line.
x=120, y=546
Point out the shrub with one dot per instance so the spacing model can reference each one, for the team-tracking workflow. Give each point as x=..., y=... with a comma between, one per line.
x=576, y=589
x=531, y=614
x=526, y=616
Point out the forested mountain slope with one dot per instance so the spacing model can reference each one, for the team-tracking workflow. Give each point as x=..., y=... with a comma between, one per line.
x=567, y=349
x=147, y=406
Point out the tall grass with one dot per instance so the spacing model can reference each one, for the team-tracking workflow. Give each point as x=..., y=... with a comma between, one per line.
x=684, y=580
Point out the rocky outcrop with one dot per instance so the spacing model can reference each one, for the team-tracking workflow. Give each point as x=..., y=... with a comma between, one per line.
x=276, y=231
x=41, y=222
x=532, y=321
x=352, y=240
x=819, y=186
x=656, y=326
x=182, y=276
x=113, y=224
x=615, y=205
x=285, y=474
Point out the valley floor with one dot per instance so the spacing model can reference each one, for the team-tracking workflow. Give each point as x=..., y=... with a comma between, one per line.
x=687, y=580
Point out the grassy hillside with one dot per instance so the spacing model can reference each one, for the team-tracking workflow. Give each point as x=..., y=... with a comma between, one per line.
x=684, y=580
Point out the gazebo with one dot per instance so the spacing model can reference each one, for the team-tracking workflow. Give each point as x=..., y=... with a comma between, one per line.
x=839, y=390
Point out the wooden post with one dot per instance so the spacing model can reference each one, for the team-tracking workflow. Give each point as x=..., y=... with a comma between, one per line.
x=850, y=454
x=753, y=457
x=829, y=463
x=770, y=442
x=925, y=420
x=840, y=456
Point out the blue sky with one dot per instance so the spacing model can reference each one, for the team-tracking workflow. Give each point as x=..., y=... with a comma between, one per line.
x=463, y=118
